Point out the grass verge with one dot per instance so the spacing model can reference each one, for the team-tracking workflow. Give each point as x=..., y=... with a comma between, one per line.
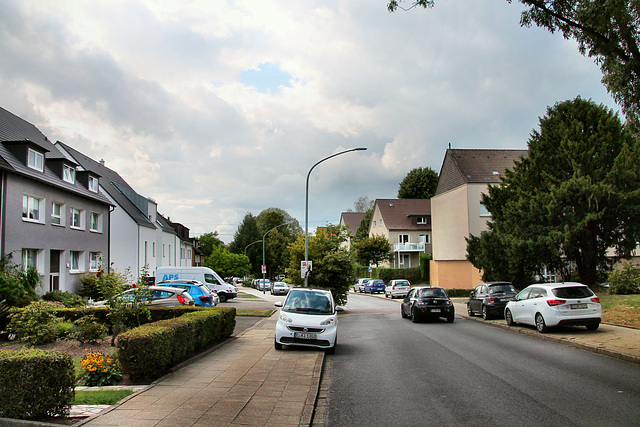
x=256, y=313
x=244, y=295
x=621, y=309
x=100, y=397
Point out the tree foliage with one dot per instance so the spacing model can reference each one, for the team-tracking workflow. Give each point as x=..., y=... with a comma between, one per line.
x=208, y=241
x=247, y=234
x=228, y=264
x=606, y=30
x=362, y=204
x=363, y=229
x=17, y=285
x=420, y=183
x=573, y=198
x=373, y=250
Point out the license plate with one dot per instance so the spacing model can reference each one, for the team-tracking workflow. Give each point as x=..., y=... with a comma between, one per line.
x=305, y=335
x=578, y=306
x=435, y=310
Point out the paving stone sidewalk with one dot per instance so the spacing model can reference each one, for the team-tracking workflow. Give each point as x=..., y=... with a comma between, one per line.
x=243, y=382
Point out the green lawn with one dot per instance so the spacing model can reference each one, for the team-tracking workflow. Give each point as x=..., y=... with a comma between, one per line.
x=621, y=309
x=100, y=397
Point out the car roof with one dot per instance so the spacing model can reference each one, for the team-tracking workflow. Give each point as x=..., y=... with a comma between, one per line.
x=427, y=287
x=182, y=282
x=310, y=289
x=558, y=285
x=166, y=288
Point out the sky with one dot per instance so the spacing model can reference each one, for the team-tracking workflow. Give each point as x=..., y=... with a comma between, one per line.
x=215, y=109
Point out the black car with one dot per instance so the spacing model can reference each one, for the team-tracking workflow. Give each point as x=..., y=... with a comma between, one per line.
x=489, y=299
x=427, y=302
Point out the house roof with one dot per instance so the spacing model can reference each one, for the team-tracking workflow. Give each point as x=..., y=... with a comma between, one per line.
x=14, y=130
x=135, y=205
x=352, y=220
x=461, y=166
x=397, y=214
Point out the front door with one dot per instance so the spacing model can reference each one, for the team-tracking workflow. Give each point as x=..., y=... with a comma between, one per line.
x=54, y=270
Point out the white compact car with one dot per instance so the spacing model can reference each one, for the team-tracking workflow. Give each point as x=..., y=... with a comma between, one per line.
x=397, y=288
x=308, y=317
x=545, y=305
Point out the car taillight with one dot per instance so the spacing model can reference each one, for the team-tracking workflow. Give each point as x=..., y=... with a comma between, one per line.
x=554, y=302
x=595, y=299
x=183, y=300
x=206, y=298
x=490, y=299
x=393, y=287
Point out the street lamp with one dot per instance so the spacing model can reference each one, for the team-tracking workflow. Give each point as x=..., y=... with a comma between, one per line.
x=263, y=259
x=306, y=208
x=253, y=243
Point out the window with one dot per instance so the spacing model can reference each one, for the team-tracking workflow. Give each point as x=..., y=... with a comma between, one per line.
x=31, y=208
x=403, y=238
x=93, y=184
x=94, y=261
x=483, y=210
x=405, y=260
x=154, y=249
x=422, y=220
x=374, y=224
x=35, y=160
x=76, y=261
x=68, y=174
x=76, y=218
x=424, y=238
x=29, y=258
x=96, y=222
x=56, y=214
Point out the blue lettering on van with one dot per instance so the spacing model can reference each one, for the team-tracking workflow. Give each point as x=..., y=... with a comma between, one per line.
x=170, y=277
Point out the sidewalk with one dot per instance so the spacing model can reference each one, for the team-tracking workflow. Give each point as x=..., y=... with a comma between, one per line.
x=243, y=382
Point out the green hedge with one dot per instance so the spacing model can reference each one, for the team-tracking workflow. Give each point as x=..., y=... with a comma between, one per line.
x=35, y=383
x=458, y=293
x=147, y=352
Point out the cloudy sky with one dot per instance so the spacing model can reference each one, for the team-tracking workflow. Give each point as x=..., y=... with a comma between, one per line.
x=219, y=108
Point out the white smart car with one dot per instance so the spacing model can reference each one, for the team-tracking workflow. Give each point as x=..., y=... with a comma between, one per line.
x=308, y=317
x=545, y=305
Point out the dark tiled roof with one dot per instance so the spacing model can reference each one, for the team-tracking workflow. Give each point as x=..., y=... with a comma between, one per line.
x=117, y=188
x=14, y=130
x=352, y=220
x=475, y=166
x=400, y=214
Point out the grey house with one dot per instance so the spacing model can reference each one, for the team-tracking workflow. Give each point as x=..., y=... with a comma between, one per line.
x=52, y=215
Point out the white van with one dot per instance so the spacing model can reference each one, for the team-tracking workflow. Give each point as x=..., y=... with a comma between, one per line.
x=205, y=275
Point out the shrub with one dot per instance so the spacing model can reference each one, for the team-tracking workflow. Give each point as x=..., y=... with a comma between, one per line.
x=100, y=370
x=68, y=299
x=36, y=323
x=624, y=281
x=64, y=330
x=102, y=285
x=89, y=329
x=17, y=287
x=35, y=383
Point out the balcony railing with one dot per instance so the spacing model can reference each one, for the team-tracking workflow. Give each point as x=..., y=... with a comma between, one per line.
x=409, y=247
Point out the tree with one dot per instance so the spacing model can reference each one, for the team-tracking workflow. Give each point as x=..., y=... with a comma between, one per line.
x=363, y=229
x=420, y=183
x=373, y=250
x=278, y=240
x=208, y=241
x=607, y=31
x=227, y=264
x=362, y=204
x=247, y=234
x=573, y=198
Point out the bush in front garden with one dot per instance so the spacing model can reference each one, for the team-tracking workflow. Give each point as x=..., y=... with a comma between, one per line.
x=35, y=383
x=624, y=281
x=36, y=323
x=67, y=299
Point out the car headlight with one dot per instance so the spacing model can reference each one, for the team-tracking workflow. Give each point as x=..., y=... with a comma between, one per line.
x=285, y=318
x=329, y=321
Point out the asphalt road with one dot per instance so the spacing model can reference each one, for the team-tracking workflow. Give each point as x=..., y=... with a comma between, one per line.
x=388, y=371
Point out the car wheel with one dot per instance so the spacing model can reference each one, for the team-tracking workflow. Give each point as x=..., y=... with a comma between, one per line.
x=485, y=313
x=223, y=297
x=451, y=318
x=277, y=345
x=593, y=327
x=509, y=318
x=469, y=311
x=414, y=315
x=540, y=325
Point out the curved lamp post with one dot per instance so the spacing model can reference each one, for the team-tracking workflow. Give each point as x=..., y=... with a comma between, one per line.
x=263, y=258
x=306, y=207
x=252, y=243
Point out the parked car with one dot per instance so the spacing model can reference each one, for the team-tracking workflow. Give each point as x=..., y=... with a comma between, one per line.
x=397, y=288
x=280, y=288
x=375, y=285
x=490, y=299
x=203, y=296
x=545, y=305
x=307, y=318
x=359, y=286
x=264, y=284
x=162, y=296
x=427, y=302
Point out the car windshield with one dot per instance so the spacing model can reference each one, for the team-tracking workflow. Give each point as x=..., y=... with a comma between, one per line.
x=573, y=292
x=495, y=289
x=308, y=302
x=432, y=293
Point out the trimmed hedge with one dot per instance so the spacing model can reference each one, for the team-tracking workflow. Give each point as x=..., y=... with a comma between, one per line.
x=35, y=383
x=147, y=352
x=458, y=293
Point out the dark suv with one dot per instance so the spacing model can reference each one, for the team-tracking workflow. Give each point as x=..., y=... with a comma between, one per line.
x=489, y=299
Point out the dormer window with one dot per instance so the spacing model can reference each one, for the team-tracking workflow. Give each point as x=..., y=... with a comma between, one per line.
x=422, y=220
x=35, y=160
x=69, y=174
x=93, y=184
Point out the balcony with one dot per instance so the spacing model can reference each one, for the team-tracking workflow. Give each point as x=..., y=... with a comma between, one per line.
x=409, y=247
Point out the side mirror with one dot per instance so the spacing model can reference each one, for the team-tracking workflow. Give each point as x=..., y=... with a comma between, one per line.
x=472, y=294
x=339, y=308
x=278, y=303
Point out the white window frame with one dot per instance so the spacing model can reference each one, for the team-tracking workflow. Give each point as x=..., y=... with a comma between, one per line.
x=98, y=222
x=29, y=258
x=425, y=238
x=76, y=262
x=72, y=223
x=35, y=160
x=69, y=174
x=93, y=184
x=401, y=240
x=484, y=212
x=94, y=261
x=57, y=219
x=422, y=220
x=28, y=202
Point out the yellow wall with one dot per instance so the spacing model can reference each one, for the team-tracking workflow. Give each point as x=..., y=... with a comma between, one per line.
x=454, y=274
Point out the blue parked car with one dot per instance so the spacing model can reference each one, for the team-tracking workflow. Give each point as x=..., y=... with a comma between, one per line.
x=375, y=285
x=203, y=296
